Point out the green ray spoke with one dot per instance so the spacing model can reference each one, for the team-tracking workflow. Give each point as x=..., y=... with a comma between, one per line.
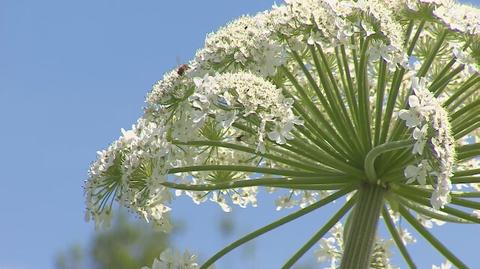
x=275, y=225
x=318, y=235
x=396, y=237
x=432, y=239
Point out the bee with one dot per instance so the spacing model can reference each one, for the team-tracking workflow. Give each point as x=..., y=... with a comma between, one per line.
x=181, y=69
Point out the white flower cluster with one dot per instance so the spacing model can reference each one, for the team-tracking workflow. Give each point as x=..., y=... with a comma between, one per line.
x=430, y=124
x=135, y=166
x=466, y=60
x=301, y=198
x=330, y=23
x=249, y=95
x=170, y=89
x=173, y=259
x=117, y=170
x=462, y=18
x=239, y=196
x=446, y=265
x=331, y=249
x=244, y=43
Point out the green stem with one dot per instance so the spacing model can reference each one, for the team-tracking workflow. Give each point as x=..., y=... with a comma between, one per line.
x=440, y=86
x=381, y=84
x=469, y=172
x=275, y=225
x=396, y=237
x=377, y=151
x=468, y=147
x=432, y=54
x=350, y=89
x=429, y=212
x=466, y=121
x=363, y=96
x=468, y=155
x=395, y=87
x=461, y=90
x=318, y=235
x=333, y=94
x=474, y=194
x=465, y=109
x=312, y=187
x=272, y=157
x=361, y=235
x=284, y=182
x=466, y=180
x=419, y=198
x=467, y=131
x=315, y=111
x=430, y=238
x=240, y=168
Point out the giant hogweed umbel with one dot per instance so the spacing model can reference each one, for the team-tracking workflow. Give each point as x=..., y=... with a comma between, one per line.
x=375, y=100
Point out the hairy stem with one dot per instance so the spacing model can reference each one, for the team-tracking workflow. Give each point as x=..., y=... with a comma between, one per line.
x=361, y=234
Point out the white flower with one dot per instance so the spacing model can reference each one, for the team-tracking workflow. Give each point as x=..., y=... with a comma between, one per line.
x=281, y=133
x=324, y=252
x=466, y=59
x=419, y=135
x=417, y=173
x=411, y=118
x=476, y=213
x=462, y=18
x=173, y=259
x=285, y=201
x=407, y=237
x=425, y=111
x=446, y=265
x=218, y=198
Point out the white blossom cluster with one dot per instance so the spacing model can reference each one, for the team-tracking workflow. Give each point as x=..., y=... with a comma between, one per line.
x=445, y=265
x=146, y=140
x=462, y=18
x=465, y=59
x=173, y=259
x=431, y=127
x=242, y=197
x=168, y=90
x=254, y=96
x=301, y=198
x=331, y=249
x=244, y=43
x=145, y=153
x=330, y=22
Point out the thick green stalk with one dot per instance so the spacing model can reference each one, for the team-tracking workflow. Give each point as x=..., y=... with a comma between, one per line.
x=361, y=235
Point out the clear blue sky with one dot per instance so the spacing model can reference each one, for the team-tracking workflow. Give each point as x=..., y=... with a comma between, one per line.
x=72, y=73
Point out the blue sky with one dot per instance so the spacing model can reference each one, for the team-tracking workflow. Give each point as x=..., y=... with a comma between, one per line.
x=72, y=74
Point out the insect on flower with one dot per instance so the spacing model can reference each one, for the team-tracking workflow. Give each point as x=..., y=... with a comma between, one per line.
x=182, y=68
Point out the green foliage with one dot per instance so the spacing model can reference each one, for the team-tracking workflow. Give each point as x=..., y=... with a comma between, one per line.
x=127, y=244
